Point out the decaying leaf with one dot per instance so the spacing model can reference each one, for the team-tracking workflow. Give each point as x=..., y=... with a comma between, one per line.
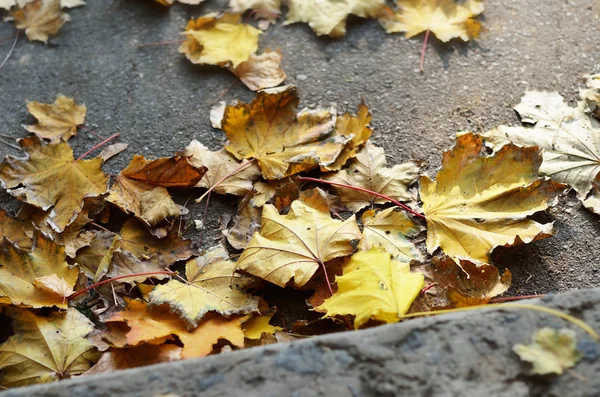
x=245, y=223
x=478, y=203
x=368, y=171
x=374, y=286
x=140, y=189
x=95, y=259
x=551, y=351
x=279, y=193
x=263, y=9
x=20, y=269
x=133, y=357
x=569, y=137
x=56, y=121
x=125, y=263
x=328, y=17
x=40, y=19
x=155, y=324
x=212, y=285
x=49, y=177
x=15, y=230
x=389, y=229
x=447, y=19
x=593, y=201
x=219, y=40
x=44, y=349
x=295, y=245
x=282, y=142
x=219, y=165
x=261, y=71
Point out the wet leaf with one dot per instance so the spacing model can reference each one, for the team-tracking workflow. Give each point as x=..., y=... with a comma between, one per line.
x=295, y=245
x=478, y=203
x=551, y=351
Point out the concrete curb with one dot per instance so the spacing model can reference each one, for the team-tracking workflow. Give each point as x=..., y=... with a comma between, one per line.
x=461, y=354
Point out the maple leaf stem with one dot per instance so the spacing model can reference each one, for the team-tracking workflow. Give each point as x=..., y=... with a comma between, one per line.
x=430, y=286
x=161, y=43
x=110, y=280
x=201, y=239
x=104, y=142
x=14, y=44
x=10, y=144
x=360, y=189
x=326, y=277
x=94, y=133
x=238, y=169
x=421, y=64
x=515, y=298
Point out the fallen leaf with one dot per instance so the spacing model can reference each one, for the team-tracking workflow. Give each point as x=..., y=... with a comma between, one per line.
x=15, y=230
x=258, y=325
x=551, y=351
x=19, y=270
x=133, y=357
x=216, y=115
x=54, y=284
x=447, y=19
x=261, y=71
x=569, y=137
x=368, y=171
x=478, y=202
x=71, y=3
x=593, y=201
x=212, y=286
x=45, y=349
x=95, y=259
x=112, y=150
x=56, y=121
x=245, y=223
x=219, y=40
x=140, y=189
x=219, y=165
x=374, y=286
x=389, y=229
x=7, y=4
x=29, y=179
x=282, y=142
x=328, y=17
x=40, y=19
x=125, y=263
x=262, y=9
x=157, y=323
x=279, y=193
x=295, y=245
x=591, y=94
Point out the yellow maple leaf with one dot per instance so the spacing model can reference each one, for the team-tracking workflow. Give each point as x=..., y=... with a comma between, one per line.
x=369, y=171
x=40, y=19
x=447, y=19
x=140, y=189
x=282, y=142
x=295, y=245
x=133, y=357
x=551, y=351
x=20, y=269
x=153, y=325
x=261, y=71
x=219, y=40
x=257, y=325
x=45, y=349
x=15, y=230
x=56, y=121
x=328, y=17
x=211, y=285
x=374, y=286
x=389, y=229
x=478, y=203
x=29, y=179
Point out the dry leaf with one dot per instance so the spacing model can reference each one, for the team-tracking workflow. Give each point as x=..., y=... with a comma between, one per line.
x=262, y=9
x=221, y=164
x=216, y=115
x=279, y=193
x=295, y=245
x=478, y=203
x=447, y=19
x=282, y=142
x=19, y=270
x=133, y=357
x=40, y=19
x=389, y=229
x=54, y=284
x=29, y=179
x=219, y=40
x=328, y=17
x=211, y=285
x=125, y=263
x=369, y=171
x=551, y=351
x=261, y=71
x=140, y=189
x=257, y=325
x=245, y=223
x=112, y=150
x=95, y=258
x=569, y=137
x=45, y=349
x=56, y=121
x=593, y=201
x=71, y=3
x=375, y=287
x=15, y=230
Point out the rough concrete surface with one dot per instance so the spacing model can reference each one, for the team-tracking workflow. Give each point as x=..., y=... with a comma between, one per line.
x=463, y=354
